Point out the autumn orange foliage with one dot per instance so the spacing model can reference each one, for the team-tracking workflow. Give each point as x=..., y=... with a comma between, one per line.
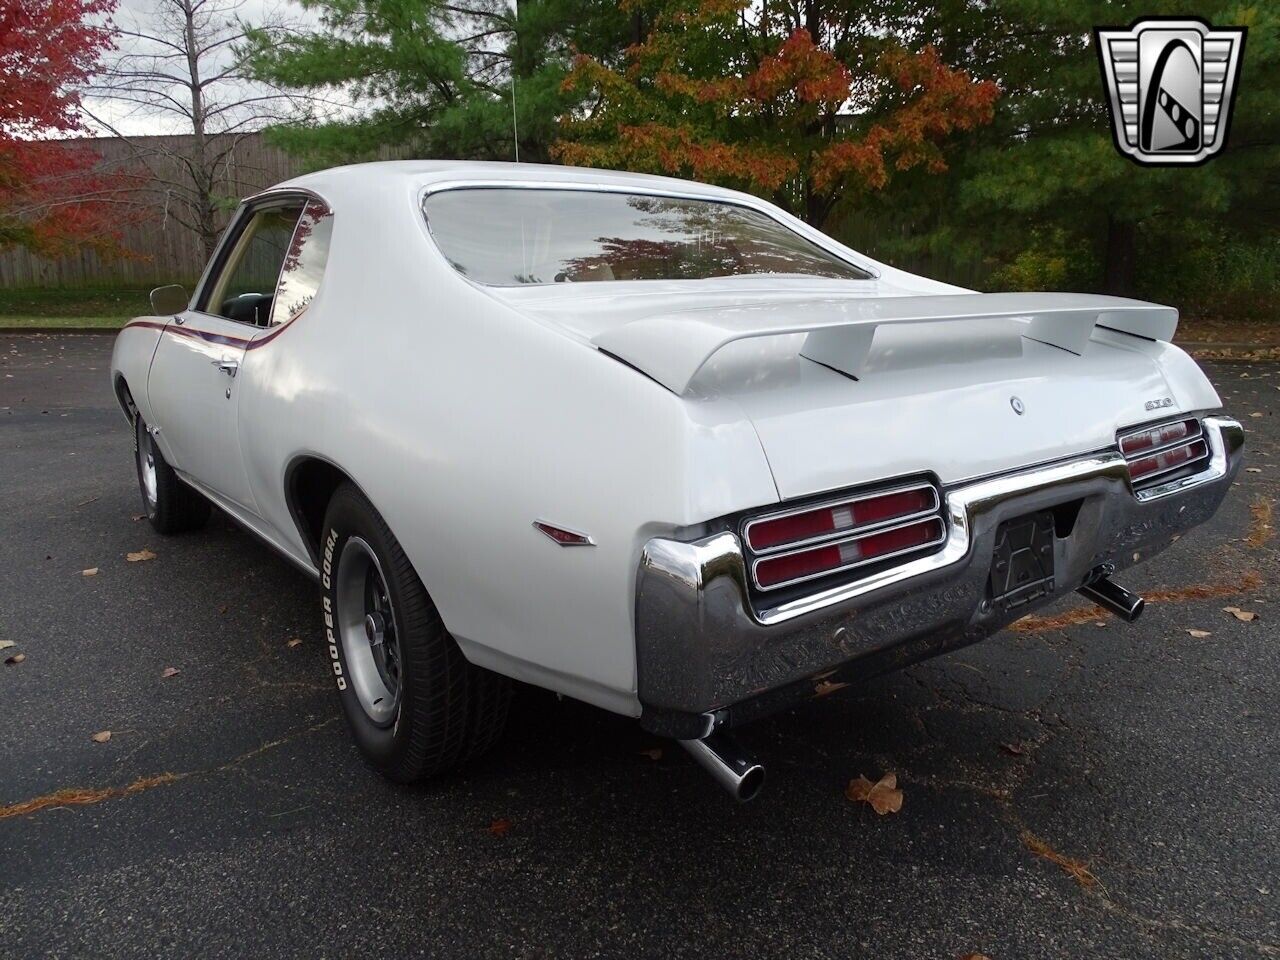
x=780, y=115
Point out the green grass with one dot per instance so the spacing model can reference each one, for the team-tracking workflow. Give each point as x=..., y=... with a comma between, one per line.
x=8, y=322
x=33, y=308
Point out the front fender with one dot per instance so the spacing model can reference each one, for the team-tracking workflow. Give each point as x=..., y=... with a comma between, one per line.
x=131, y=358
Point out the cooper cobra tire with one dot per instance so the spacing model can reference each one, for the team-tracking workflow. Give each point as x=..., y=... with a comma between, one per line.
x=415, y=706
x=171, y=505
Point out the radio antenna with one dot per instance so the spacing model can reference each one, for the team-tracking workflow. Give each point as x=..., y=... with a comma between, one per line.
x=515, y=131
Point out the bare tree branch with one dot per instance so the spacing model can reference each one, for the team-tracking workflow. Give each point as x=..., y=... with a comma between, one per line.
x=182, y=70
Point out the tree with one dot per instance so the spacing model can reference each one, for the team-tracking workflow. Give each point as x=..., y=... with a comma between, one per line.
x=50, y=196
x=804, y=103
x=1043, y=196
x=180, y=67
x=434, y=78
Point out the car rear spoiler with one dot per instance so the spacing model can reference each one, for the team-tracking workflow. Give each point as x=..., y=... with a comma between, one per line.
x=672, y=348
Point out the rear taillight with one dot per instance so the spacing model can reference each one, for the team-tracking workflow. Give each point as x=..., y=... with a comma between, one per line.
x=825, y=521
x=1153, y=452
x=848, y=532
x=1156, y=437
x=1162, y=462
x=790, y=567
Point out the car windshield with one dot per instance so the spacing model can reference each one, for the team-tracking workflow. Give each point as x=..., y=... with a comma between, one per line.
x=508, y=236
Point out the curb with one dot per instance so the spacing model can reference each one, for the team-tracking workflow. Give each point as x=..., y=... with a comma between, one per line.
x=52, y=331
x=1195, y=345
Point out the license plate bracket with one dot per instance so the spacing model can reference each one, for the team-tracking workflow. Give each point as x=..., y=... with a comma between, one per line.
x=1022, y=561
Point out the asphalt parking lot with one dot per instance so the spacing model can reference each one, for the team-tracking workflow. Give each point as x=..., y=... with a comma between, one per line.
x=1075, y=788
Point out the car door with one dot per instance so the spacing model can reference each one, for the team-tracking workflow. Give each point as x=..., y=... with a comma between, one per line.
x=192, y=386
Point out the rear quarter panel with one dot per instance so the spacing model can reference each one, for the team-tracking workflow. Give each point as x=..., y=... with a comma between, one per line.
x=464, y=422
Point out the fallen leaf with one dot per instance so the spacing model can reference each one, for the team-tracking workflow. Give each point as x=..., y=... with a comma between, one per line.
x=91, y=572
x=75, y=796
x=1260, y=516
x=6, y=644
x=654, y=753
x=1076, y=869
x=1252, y=469
x=102, y=736
x=16, y=659
x=1245, y=615
x=138, y=516
x=169, y=672
x=141, y=555
x=825, y=687
x=294, y=642
x=1013, y=749
x=1200, y=634
x=883, y=796
x=499, y=827
x=1255, y=415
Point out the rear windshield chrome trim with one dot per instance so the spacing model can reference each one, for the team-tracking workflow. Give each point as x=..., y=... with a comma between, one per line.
x=929, y=518
x=847, y=533
x=816, y=237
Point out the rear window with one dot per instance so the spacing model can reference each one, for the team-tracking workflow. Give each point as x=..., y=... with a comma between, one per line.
x=509, y=236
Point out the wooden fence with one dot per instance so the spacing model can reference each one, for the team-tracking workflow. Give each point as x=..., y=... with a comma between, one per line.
x=160, y=250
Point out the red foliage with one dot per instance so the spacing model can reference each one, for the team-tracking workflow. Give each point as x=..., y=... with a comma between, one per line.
x=940, y=101
x=798, y=125
x=50, y=198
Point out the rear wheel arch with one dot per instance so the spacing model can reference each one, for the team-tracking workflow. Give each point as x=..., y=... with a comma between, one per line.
x=309, y=484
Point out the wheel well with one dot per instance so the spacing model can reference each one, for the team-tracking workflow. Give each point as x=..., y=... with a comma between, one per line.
x=125, y=398
x=309, y=485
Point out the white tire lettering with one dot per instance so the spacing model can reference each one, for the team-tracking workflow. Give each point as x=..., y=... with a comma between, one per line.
x=326, y=580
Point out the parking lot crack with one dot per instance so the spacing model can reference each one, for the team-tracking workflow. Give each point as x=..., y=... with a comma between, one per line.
x=68, y=797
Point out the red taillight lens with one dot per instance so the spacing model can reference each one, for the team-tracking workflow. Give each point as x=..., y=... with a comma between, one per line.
x=1157, y=436
x=839, y=517
x=803, y=564
x=1167, y=460
x=1152, y=452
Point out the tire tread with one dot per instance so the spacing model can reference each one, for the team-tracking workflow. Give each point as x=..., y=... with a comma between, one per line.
x=458, y=710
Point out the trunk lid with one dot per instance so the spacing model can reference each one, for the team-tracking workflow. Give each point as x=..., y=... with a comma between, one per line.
x=846, y=387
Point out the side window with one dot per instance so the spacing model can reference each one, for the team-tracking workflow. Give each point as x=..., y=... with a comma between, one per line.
x=245, y=287
x=303, y=263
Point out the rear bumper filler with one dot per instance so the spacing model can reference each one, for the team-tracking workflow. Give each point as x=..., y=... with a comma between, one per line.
x=710, y=653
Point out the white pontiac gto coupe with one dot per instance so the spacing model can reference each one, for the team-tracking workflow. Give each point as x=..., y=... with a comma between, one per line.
x=648, y=443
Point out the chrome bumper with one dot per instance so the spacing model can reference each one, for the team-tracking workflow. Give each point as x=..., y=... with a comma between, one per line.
x=709, y=652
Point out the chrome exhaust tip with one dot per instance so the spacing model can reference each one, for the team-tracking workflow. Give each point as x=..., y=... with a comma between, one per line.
x=1109, y=595
x=723, y=757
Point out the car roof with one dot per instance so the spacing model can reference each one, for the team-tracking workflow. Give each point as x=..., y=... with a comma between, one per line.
x=426, y=173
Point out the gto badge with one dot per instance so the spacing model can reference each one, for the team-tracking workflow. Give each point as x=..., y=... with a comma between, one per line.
x=1018, y=406
x=1170, y=82
x=1159, y=403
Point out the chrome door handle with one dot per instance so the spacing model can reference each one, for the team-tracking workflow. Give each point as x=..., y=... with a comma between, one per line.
x=229, y=367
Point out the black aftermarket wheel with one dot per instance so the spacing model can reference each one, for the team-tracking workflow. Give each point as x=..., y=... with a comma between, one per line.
x=414, y=704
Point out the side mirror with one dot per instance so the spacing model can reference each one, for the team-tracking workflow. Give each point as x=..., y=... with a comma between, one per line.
x=169, y=300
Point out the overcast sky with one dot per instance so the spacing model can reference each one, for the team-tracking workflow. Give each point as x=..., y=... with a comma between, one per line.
x=153, y=18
